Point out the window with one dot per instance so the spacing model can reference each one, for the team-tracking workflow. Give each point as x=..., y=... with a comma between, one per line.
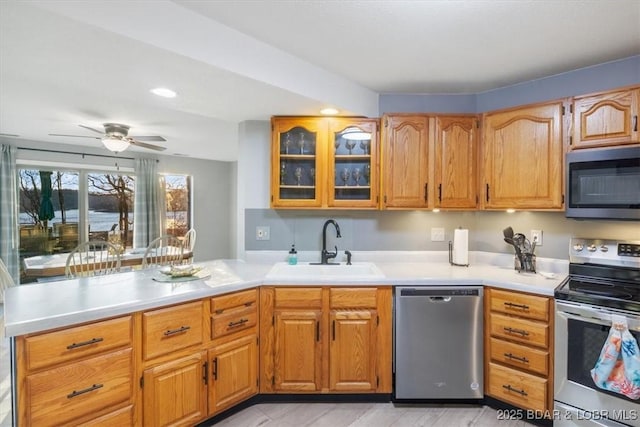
x=178, y=204
x=60, y=208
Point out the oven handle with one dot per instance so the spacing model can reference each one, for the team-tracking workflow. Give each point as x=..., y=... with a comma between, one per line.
x=594, y=315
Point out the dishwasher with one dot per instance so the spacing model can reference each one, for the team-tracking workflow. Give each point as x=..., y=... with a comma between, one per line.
x=438, y=348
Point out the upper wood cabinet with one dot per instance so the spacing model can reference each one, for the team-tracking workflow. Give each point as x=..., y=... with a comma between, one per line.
x=405, y=161
x=456, y=162
x=606, y=119
x=321, y=162
x=429, y=161
x=522, y=156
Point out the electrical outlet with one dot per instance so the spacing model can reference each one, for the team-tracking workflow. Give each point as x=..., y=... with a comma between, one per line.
x=536, y=236
x=437, y=234
x=263, y=232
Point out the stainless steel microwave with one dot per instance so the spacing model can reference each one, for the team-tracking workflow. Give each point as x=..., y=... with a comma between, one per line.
x=603, y=183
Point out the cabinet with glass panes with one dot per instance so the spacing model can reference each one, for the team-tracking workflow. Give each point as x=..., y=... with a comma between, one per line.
x=319, y=162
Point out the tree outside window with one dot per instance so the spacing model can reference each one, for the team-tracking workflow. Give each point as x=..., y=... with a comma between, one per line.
x=178, y=204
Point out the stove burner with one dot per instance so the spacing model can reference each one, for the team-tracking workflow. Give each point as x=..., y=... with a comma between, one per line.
x=604, y=293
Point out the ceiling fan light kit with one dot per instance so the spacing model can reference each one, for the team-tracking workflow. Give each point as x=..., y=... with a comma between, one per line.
x=115, y=143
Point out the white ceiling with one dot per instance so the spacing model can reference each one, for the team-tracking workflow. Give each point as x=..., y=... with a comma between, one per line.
x=64, y=63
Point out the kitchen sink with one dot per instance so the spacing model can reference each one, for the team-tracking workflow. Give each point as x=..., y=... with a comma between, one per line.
x=310, y=271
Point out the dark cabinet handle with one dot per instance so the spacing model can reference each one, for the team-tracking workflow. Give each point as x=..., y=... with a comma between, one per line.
x=83, y=343
x=177, y=331
x=514, y=357
x=487, y=194
x=215, y=368
x=635, y=123
x=75, y=393
x=439, y=192
x=333, y=330
x=205, y=373
x=317, y=330
x=238, y=323
x=514, y=305
x=515, y=390
x=426, y=191
x=516, y=331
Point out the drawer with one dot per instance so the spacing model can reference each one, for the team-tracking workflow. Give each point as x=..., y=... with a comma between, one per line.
x=237, y=299
x=353, y=297
x=519, y=356
x=298, y=297
x=529, y=306
x=518, y=388
x=521, y=330
x=59, y=395
x=78, y=342
x=170, y=329
x=233, y=321
x=119, y=417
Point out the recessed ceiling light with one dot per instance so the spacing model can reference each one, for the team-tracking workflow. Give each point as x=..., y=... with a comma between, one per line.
x=164, y=92
x=328, y=111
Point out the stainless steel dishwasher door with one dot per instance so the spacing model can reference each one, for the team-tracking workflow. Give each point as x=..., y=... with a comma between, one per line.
x=438, y=352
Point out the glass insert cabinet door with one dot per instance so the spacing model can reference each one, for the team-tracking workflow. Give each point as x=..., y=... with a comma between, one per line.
x=296, y=162
x=352, y=175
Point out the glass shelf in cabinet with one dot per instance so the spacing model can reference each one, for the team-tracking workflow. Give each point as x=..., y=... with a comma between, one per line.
x=352, y=156
x=294, y=186
x=298, y=156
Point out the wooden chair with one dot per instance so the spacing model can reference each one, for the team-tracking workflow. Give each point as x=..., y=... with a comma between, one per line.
x=188, y=243
x=165, y=250
x=93, y=258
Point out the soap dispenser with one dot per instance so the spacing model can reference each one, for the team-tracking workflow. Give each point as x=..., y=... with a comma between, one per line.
x=293, y=255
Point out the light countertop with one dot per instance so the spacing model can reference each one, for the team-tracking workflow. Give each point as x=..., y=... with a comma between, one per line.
x=38, y=307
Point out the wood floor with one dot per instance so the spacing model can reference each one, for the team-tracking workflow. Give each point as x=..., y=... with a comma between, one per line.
x=312, y=414
x=365, y=415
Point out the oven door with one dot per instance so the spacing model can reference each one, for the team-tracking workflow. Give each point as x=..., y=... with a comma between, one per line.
x=580, y=333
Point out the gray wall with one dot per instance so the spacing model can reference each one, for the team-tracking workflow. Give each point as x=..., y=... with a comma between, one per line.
x=213, y=190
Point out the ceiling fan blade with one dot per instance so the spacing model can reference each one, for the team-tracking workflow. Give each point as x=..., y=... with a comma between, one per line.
x=92, y=129
x=145, y=145
x=75, y=136
x=155, y=138
x=10, y=134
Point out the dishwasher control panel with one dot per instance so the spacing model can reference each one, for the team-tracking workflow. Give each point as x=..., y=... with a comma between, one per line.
x=422, y=292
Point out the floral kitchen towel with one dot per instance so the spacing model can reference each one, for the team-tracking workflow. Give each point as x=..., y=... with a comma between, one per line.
x=618, y=367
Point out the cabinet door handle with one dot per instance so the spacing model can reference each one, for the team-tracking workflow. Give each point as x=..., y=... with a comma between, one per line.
x=75, y=393
x=635, y=123
x=238, y=323
x=215, y=368
x=487, y=193
x=439, y=192
x=205, y=373
x=317, y=330
x=180, y=330
x=333, y=330
x=426, y=191
x=510, y=330
x=83, y=343
x=514, y=305
x=515, y=390
x=514, y=357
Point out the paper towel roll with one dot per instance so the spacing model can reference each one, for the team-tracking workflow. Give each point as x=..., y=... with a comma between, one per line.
x=461, y=246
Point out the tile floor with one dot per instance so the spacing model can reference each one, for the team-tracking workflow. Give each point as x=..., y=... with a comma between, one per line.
x=5, y=376
x=365, y=415
x=312, y=414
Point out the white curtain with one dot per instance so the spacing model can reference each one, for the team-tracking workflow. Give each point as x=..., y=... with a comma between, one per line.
x=149, y=203
x=9, y=237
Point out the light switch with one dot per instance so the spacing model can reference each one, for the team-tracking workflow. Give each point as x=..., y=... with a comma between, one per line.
x=437, y=234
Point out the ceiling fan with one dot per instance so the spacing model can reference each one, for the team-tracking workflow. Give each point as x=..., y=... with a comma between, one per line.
x=115, y=137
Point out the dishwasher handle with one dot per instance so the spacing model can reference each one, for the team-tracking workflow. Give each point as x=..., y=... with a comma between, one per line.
x=439, y=299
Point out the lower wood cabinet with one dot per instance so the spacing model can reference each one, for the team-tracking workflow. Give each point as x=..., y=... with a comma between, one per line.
x=320, y=339
x=174, y=392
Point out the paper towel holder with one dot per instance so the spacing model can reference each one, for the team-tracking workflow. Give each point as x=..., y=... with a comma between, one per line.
x=451, y=256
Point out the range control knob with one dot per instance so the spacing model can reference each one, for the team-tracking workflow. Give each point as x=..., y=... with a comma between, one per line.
x=604, y=248
x=592, y=248
x=578, y=247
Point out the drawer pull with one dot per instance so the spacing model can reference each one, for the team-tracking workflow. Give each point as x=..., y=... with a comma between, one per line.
x=514, y=305
x=238, y=323
x=515, y=390
x=86, y=390
x=180, y=330
x=83, y=343
x=248, y=304
x=516, y=331
x=513, y=357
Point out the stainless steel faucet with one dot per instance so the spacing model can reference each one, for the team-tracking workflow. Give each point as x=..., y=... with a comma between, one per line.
x=326, y=255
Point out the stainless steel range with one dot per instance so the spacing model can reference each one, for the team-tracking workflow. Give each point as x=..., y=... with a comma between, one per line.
x=603, y=285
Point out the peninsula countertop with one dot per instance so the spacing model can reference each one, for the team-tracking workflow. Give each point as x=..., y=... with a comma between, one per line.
x=43, y=306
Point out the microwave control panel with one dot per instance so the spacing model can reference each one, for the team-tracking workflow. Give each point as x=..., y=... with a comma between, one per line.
x=628, y=249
